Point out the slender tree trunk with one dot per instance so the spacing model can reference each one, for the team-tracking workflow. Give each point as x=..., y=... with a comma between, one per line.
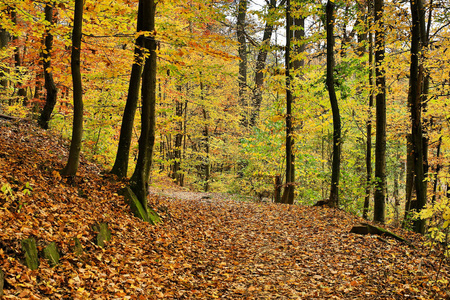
x=299, y=38
x=288, y=193
x=4, y=41
x=297, y=35
x=38, y=84
x=240, y=32
x=437, y=170
x=77, y=129
x=362, y=24
x=120, y=167
x=395, y=193
x=206, y=165
x=336, y=163
x=410, y=203
x=380, y=144
x=416, y=77
x=22, y=92
x=185, y=122
x=369, y=122
x=176, y=168
x=140, y=178
x=50, y=85
x=260, y=65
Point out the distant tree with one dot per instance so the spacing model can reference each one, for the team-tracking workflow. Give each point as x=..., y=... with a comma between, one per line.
x=336, y=162
x=21, y=90
x=289, y=189
x=369, y=120
x=49, y=84
x=242, y=50
x=206, y=164
x=77, y=128
x=261, y=60
x=416, y=90
x=176, y=153
x=380, y=98
x=4, y=41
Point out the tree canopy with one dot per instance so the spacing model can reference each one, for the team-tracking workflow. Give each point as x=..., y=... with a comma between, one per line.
x=219, y=95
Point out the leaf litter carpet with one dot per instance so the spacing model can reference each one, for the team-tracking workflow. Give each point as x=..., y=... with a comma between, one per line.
x=205, y=248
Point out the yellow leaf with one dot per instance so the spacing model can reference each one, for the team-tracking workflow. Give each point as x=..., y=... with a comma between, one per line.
x=446, y=223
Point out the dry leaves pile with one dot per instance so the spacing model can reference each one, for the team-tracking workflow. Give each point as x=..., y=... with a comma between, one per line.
x=205, y=249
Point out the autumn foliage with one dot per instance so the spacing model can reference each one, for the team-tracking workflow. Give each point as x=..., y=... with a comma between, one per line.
x=214, y=247
x=223, y=82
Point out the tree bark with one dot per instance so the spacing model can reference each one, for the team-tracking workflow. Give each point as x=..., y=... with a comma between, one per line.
x=380, y=98
x=437, y=169
x=299, y=38
x=120, y=167
x=206, y=164
x=176, y=157
x=22, y=92
x=336, y=163
x=369, y=122
x=140, y=178
x=415, y=92
x=361, y=22
x=288, y=193
x=410, y=202
x=49, y=84
x=77, y=128
x=242, y=50
x=260, y=65
x=4, y=41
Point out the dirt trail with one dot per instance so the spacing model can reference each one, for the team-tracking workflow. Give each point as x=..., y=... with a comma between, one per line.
x=206, y=248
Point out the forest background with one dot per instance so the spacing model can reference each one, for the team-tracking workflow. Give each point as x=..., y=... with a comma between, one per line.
x=222, y=89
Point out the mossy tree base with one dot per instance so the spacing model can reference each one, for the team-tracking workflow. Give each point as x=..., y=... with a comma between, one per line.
x=148, y=215
x=51, y=254
x=31, y=253
x=365, y=228
x=104, y=234
x=2, y=282
x=76, y=247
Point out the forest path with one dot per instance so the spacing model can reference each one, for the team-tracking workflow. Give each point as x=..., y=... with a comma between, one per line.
x=248, y=250
x=206, y=248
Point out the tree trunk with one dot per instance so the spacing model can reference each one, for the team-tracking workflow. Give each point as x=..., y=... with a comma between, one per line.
x=22, y=92
x=260, y=65
x=77, y=129
x=50, y=86
x=4, y=41
x=299, y=38
x=415, y=92
x=242, y=50
x=206, y=165
x=395, y=193
x=120, y=167
x=410, y=203
x=336, y=163
x=176, y=167
x=437, y=169
x=362, y=24
x=369, y=122
x=288, y=193
x=139, y=180
x=380, y=144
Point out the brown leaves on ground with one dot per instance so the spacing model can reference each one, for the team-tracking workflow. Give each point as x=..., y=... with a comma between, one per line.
x=206, y=248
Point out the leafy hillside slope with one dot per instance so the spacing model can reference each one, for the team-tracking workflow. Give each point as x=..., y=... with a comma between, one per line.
x=205, y=249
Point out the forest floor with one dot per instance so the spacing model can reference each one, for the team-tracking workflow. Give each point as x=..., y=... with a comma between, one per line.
x=205, y=248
